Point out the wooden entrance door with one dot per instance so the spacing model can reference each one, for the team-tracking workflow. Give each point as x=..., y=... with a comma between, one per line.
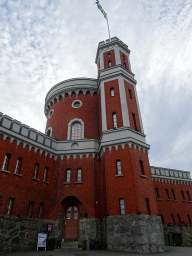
x=71, y=229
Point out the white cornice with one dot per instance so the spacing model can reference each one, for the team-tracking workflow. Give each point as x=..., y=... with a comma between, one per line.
x=68, y=87
x=109, y=43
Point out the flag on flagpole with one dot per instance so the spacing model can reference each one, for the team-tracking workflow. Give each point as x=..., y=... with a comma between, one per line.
x=101, y=9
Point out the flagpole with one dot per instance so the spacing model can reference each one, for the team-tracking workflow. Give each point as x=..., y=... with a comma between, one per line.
x=108, y=27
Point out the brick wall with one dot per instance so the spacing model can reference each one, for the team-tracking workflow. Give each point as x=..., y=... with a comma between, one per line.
x=22, y=188
x=64, y=113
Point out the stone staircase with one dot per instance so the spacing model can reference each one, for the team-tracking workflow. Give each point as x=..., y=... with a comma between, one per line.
x=70, y=246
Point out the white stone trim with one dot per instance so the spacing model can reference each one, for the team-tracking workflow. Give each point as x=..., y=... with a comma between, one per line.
x=101, y=60
x=50, y=115
x=123, y=99
x=138, y=108
x=69, y=128
x=117, y=55
x=103, y=107
x=51, y=131
x=73, y=103
x=129, y=62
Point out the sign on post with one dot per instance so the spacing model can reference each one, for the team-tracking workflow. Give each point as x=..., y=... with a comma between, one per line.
x=50, y=226
x=41, y=240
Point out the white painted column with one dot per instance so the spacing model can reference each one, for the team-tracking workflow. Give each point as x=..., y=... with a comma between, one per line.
x=103, y=107
x=129, y=63
x=124, y=107
x=138, y=108
x=101, y=60
x=117, y=56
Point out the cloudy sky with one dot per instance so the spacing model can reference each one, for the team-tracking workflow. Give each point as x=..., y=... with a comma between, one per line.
x=43, y=42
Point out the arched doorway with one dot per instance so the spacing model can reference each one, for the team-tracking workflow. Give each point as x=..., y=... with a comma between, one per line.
x=71, y=218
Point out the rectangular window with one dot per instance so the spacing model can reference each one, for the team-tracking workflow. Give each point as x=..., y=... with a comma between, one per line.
x=173, y=194
x=109, y=55
x=112, y=92
x=162, y=219
x=173, y=219
x=78, y=175
x=147, y=206
x=40, y=210
x=188, y=195
x=183, y=196
x=68, y=179
x=134, y=121
x=114, y=120
x=29, y=209
x=157, y=193
x=179, y=219
x=18, y=165
x=10, y=206
x=122, y=205
x=36, y=171
x=45, y=173
x=118, y=164
x=141, y=167
x=130, y=94
x=109, y=64
x=189, y=219
x=167, y=194
x=6, y=162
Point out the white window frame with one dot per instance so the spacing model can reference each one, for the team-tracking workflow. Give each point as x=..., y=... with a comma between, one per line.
x=79, y=175
x=10, y=206
x=36, y=171
x=70, y=125
x=45, y=173
x=122, y=205
x=118, y=166
x=114, y=116
x=6, y=161
x=112, y=92
x=29, y=209
x=40, y=210
x=76, y=101
x=68, y=176
x=51, y=113
x=51, y=131
x=18, y=165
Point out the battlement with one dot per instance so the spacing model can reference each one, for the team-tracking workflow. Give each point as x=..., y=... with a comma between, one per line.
x=25, y=133
x=109, y=42
x=170, y=174
x=112, y=40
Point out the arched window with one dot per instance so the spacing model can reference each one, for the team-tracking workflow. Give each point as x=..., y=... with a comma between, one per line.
x=75, y=129
x=49, y=132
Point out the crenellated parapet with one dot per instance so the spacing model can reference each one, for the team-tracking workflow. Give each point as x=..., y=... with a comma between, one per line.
x=66, y=88
x=171, y=175
x=21, y=133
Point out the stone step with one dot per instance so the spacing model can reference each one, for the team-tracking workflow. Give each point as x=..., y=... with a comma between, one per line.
x=72, y=245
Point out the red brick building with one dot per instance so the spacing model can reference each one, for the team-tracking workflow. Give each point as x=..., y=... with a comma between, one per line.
x=91, y=167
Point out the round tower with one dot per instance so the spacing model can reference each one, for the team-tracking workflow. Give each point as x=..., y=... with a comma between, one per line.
x=71, y=108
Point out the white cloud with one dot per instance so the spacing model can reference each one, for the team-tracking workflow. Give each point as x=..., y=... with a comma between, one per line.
x=44, y=42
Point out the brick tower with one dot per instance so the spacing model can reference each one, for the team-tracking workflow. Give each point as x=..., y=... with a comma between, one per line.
x=123, y=150
x=89, y=174
x=99, y=128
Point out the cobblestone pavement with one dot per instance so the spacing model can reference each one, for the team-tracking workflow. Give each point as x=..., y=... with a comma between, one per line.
x=171, y=251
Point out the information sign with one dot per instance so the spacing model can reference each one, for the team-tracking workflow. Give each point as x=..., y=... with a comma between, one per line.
x=41, y=240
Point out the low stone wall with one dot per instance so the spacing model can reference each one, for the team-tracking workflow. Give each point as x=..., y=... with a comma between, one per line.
x=20, y=234
x=186, y=232
x=135, y=233
x=88, y=228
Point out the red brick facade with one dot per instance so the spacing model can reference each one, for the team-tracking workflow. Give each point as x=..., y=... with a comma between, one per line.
x=103, y=172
